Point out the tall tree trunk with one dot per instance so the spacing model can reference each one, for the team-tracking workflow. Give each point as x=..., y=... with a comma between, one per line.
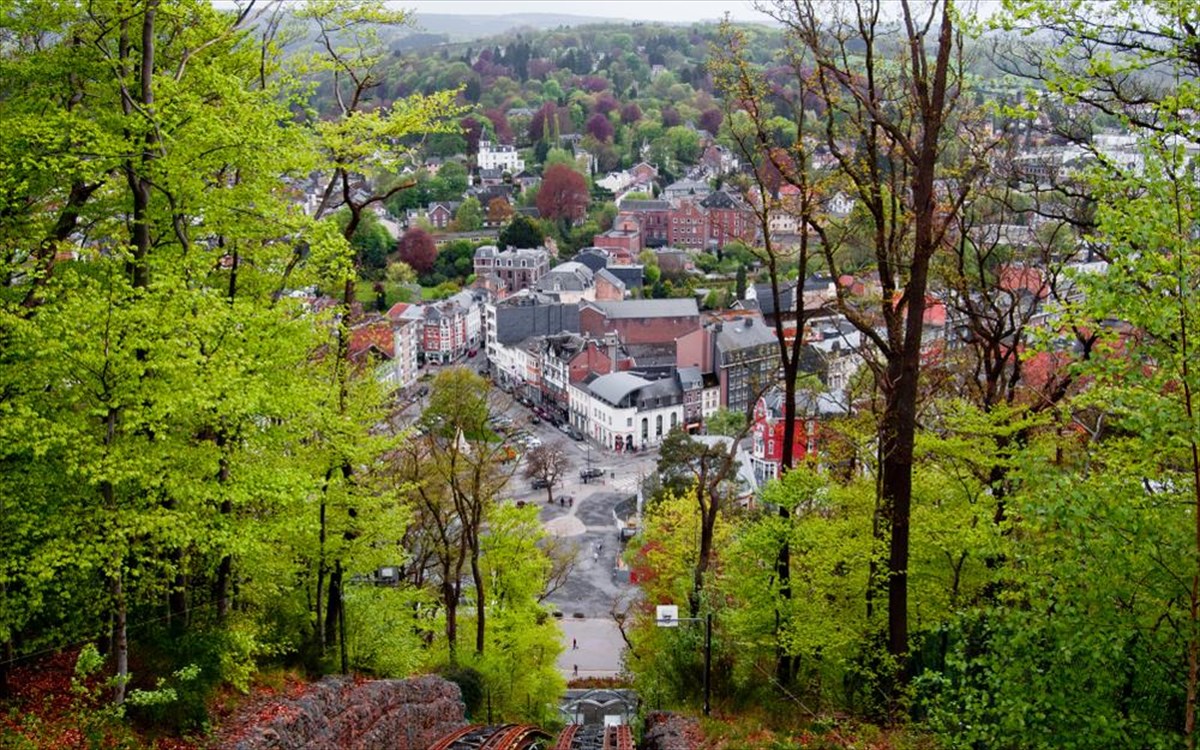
x=225, y=567
x=897, y=435
x=450, y=599
x=480, y=601
x=120, y=636
x=322, y=569
x=334, y=604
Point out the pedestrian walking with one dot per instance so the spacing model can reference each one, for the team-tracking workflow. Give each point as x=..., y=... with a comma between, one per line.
x=574, y=645
x=576, y=671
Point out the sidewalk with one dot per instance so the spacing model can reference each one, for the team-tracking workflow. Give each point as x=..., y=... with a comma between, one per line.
x=599, y=647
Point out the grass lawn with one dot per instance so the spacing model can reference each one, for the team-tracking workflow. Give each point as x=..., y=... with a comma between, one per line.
x=392, y=293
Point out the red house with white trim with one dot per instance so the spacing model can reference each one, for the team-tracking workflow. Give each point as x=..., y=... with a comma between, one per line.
x=766, y=453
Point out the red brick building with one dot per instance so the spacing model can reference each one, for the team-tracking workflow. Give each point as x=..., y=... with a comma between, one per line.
x=729, y=219
x=688, y=226
x=642, y=321
x=444, y=335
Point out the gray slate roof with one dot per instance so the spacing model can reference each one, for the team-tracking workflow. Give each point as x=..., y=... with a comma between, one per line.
x=766, y=301
x=534, y=317
x=610, y=277
x=566, y=277
x=615, y=386
x=649, y=308
x=631, y=276
x=650, y=205
x=744, y=333
x=690, y=378
x=594, y=258
x=807, y=404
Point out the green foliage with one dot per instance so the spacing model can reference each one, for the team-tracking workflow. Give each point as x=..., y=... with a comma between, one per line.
x=667, y=663
x=521, y=232
x=469, y=216
x=726, y=422
x=1069, y=654
x=371, y=242
x=384, y=635
x=470, y=682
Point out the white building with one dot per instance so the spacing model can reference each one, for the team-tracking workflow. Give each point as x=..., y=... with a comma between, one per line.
x=499, y=156
x=569, y=283
x=407, y=323
x=473, y=306
x=623, y=411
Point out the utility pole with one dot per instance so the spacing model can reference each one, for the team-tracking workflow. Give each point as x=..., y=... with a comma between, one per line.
x=666, y=616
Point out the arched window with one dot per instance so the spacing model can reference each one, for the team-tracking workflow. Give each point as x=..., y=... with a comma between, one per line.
x=658, y=425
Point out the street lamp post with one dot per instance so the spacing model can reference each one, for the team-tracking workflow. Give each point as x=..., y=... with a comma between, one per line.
x=667, y=616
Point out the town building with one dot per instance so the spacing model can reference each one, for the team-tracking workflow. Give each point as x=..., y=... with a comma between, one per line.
x=407, y=330
x=644, y=321
x=569, y=282
x=730, y=219
x=444, y=337
x=518, y=268
x=745, y=360
x=766, y=431
x=624, y=411
x=499, y=156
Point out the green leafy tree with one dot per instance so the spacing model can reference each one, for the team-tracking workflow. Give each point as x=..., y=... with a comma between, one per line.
x=464, y=471
x=521, y=232
x=902, y=154
x=469, y=216
x=371, y=242
x=706, y=470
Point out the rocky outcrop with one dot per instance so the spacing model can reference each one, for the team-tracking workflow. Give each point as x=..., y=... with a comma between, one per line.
x=670, y=731
x=341, y=712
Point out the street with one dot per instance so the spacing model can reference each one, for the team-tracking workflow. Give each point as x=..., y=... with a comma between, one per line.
x=593, y=644
x=595, y=586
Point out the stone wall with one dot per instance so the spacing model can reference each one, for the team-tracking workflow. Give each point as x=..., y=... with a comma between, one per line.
x=340, y=712
x=669, y=731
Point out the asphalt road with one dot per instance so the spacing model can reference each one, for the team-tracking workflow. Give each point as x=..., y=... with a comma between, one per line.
x=595, y=587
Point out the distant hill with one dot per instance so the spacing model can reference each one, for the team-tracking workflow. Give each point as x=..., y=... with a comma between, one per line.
x=464, y=28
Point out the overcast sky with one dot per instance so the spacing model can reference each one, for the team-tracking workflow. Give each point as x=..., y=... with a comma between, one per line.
x=634, y=10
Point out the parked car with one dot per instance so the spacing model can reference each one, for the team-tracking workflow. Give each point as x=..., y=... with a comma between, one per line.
x=540, y=484
x=591, y=472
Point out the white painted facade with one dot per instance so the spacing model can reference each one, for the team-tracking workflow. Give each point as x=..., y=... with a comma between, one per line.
x=608, y=424
x=406, y=340
x=499, y=156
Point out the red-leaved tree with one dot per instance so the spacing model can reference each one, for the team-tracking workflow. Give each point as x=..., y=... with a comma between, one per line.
x=563, y=194
x=417, y=249
x=600, y=128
